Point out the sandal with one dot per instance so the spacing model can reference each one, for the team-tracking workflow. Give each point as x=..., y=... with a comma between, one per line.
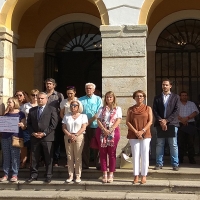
x=143, y=180
x=110, y=179
x=135, y=180
x=104, y=178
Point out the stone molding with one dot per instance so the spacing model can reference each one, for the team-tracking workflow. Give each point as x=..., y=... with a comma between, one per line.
x=123, y=31
x=6, y=34
x=111, y=4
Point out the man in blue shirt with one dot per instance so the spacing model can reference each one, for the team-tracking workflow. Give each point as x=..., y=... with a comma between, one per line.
x=91, y=104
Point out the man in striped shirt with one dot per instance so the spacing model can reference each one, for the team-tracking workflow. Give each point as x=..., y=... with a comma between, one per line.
x=187, y=129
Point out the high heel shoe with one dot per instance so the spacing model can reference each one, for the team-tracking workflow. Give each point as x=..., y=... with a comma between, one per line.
x=110, y=179
x=135, y=180
x=104, y=178
x=143, y=180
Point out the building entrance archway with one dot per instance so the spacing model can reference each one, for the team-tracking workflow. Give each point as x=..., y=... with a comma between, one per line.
x=73, y=56
x=178, y=57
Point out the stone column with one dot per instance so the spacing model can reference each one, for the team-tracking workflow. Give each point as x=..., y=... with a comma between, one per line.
x=8, y=42
x=151, y=87
x=124, y=66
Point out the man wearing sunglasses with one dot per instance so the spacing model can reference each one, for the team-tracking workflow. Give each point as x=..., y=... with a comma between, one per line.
x=54, y=99
x=91, y=104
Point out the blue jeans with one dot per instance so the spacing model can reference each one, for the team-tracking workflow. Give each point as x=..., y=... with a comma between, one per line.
x=11, y=157
x=173, y=150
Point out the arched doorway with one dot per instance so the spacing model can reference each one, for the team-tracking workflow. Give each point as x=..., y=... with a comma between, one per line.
x=178, y=57
x=73, y=56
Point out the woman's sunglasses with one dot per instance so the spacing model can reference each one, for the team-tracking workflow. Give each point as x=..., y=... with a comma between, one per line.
x=74, y=105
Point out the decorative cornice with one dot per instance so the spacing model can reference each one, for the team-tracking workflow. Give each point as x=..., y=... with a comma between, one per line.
x=124, y=5
x=123, y=31
x=6, y=34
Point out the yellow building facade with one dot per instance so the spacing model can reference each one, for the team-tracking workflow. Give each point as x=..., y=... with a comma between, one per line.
x=120, y=45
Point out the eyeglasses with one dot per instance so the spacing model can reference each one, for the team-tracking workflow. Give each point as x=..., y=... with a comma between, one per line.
x=139, y=96
x=18, y=95
x=74, y=105
x=88, y=88
x=34, y=95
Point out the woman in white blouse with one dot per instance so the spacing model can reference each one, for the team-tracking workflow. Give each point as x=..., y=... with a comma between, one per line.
x=65, y=103
x=108, y=134
x=74, y=126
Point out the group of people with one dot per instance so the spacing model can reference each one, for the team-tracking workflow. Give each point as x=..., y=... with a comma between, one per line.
x=44, y=119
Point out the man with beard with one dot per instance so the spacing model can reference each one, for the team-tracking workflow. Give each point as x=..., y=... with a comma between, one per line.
x=54, y=99
x=166, y=110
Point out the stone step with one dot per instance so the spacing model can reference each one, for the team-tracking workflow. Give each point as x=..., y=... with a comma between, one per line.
x=90, y=195
x=186, y=172
x=119, y=185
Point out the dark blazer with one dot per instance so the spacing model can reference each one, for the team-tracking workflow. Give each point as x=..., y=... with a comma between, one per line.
x=46, y=124
x=172, y=109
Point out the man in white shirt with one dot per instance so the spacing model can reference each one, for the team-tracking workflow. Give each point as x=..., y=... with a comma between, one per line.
x=187, y=129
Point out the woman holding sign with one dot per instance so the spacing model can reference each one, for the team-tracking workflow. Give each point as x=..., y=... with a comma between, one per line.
x=11, y=154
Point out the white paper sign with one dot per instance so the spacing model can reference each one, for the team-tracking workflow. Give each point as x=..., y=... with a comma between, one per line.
x=9, y=124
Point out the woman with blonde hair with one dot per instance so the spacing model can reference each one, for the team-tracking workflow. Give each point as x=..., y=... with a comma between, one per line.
x=74, y=126
x=108, y=134
x=139, y=120
x=11, y=154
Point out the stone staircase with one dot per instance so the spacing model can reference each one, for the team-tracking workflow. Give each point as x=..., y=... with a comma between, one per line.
x=161, y=184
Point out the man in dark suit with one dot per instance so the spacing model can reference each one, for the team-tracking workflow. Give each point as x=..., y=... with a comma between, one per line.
x=42, y=121
x=166, y=110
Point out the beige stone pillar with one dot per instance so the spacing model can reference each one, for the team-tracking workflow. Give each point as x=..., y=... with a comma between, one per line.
x=151, y=82
x=124, y=67
x=8, y=42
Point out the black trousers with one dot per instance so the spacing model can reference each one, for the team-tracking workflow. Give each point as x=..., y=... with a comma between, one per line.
x=90, y=132
x=36, y=148
x=59, y=141
x=186, y=143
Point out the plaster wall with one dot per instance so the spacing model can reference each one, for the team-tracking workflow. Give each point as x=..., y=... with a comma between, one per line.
x=123, y=12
